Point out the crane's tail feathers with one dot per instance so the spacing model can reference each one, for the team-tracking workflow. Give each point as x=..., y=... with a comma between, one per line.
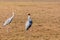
x=27, y=28
x=3, y=25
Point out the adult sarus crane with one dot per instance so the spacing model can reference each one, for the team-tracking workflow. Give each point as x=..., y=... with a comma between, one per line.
x=28, y=23
x=8, y=21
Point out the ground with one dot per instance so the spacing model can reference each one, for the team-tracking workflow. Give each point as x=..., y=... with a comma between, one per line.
x=45, y=17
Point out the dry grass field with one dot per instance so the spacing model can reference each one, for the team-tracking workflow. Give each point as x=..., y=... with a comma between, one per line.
x=45, y=16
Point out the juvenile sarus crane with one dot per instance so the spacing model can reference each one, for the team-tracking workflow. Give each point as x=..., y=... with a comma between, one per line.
x=8, y=21
x=28, y=23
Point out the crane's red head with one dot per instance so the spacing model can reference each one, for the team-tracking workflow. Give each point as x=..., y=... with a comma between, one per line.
x=28, y=14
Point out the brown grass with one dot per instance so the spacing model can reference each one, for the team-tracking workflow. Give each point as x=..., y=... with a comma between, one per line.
x=45, y=16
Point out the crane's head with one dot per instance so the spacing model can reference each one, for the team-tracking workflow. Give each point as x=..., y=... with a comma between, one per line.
x=28, y=14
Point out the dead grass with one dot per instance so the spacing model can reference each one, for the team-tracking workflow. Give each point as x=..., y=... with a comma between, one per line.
x=45, y=16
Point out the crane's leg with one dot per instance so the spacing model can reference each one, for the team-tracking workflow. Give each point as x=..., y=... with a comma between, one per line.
x=8, y=30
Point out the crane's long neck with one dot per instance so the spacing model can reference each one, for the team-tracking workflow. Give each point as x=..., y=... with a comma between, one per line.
x=29, y=18
x=12, y=15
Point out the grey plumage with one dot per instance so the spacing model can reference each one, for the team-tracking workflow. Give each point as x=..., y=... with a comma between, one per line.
x=8, y=21
x=28, y=23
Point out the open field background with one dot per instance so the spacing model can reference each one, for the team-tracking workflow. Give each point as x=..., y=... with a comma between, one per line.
x=30, y=0
x=45, y=16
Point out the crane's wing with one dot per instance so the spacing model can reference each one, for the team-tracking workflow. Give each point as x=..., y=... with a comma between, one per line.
x=28, y=25
x=8, y=21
